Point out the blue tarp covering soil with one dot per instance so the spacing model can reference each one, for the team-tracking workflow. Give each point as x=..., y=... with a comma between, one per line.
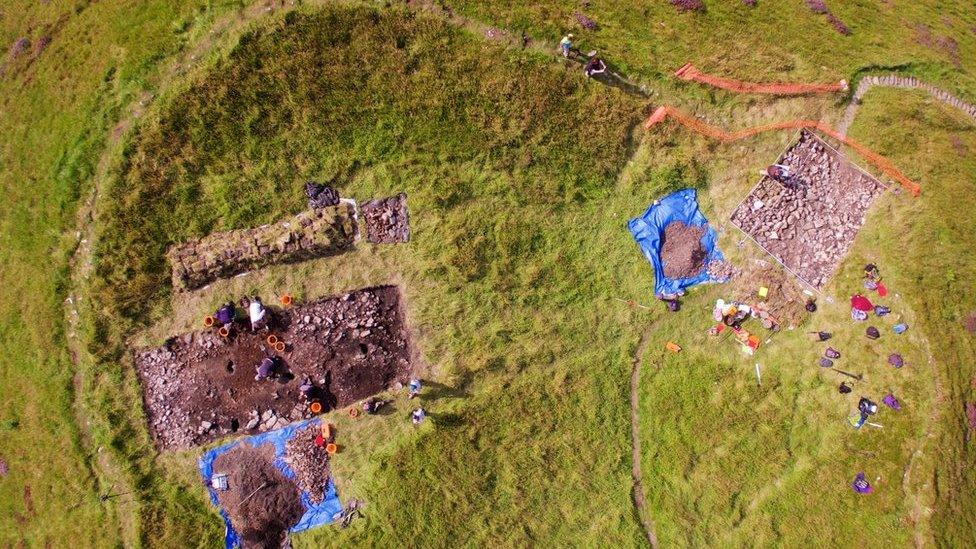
x=315, y=515
x=647, y=230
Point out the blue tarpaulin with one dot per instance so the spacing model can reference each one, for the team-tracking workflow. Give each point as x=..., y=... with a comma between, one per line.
x=649, y=228
x=315, y=514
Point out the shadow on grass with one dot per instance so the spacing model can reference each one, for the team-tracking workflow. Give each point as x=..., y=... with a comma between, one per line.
x=439, y=390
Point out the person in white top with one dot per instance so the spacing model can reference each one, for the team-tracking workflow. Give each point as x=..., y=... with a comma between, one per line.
x=258, y=314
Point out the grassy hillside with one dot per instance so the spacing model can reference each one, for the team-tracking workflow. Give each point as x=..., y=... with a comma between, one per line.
x=58, y=100
x=521, y=176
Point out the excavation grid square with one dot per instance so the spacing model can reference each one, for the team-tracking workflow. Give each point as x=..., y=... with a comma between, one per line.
x=809, y=228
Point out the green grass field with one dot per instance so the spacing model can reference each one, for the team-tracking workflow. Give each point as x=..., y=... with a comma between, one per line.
x=190, y=117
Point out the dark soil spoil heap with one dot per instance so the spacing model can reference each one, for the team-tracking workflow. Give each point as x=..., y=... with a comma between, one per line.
x=681, y=250
x=261, y=502
x=809, y=228
x=386, y=220
x=309, y=462
x=199, y=386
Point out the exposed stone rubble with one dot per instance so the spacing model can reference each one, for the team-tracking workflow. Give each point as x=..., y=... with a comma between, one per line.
x=811, y=228
x=200, y=386
x=386, y=220
x=310, y=234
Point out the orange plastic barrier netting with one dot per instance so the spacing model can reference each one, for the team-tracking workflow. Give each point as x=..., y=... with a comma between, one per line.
x=715, y=132
x=689, y=72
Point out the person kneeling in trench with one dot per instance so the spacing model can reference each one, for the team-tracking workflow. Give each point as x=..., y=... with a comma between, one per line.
x=267, y=369
x=225, y=315
x=258, y=314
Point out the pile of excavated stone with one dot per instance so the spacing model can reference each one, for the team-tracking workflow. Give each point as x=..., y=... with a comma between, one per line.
x=200, y=386
x=309, y=461
x=386, y=220
x=809, y=228
x=314, y=233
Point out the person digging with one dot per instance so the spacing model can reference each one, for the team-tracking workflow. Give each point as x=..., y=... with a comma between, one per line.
x=414, y=388
x=258, y=314
x=308, y=389
x=566, y=45
x=226, y=314
x=266, y=369
x=594, y=66
x=371, y=406
x=418, y=416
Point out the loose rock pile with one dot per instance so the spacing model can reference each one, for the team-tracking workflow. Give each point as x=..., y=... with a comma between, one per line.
x=386, y=220
x=310, y=234
x=720, y=270
x=199, y=386
x=309, y=462
x=811, y=228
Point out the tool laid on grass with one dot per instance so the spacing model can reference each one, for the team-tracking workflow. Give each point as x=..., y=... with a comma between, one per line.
x=858, y=377
x=632, y=303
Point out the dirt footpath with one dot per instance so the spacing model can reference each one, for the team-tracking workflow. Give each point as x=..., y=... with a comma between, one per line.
x=200, y=387
x=811, y=227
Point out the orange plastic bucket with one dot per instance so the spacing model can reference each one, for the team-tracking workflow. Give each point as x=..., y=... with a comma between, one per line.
x=280, y=346
x=286, y=300
x=331, y=448
x=209, y=321
x=272, y=340
x=353, y=412
x=224, y=332
x=315, y=407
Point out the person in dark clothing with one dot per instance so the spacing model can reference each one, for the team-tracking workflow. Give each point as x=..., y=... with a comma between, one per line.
x=372, y=405
x=225, y=314
x=267, y=369
x=820, y=336
x=307, y=389
x=594, y=66
x=867, y=407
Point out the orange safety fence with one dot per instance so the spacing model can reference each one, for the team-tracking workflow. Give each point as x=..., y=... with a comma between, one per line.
x=719, y=134
x=691, y=73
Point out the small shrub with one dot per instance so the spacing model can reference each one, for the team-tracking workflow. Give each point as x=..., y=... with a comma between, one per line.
x=41, y=45
x=949, y=45
x=960, y=148
x=19, y=47
x=838, y=25
x=585, y=21
x=971, y=323
x=923, y=35
x=817, y=6
x=688, y=5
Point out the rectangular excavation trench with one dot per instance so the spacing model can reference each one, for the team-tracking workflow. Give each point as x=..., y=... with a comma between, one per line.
x=199, y=387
